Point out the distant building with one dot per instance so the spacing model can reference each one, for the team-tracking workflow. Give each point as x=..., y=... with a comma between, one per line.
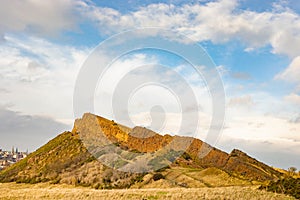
x=8, y=158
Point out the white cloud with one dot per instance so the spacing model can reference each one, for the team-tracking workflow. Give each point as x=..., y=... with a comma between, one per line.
x=292, y=72
x=241, y=75
x=39, y=76
x=165, y=90
x=262, y=135
x=277, y=152
x=295, y=118
x=246, y=101
x=223, y=71
x=218, y=21
x=261, y=124
x=260, y=127
x=39, y=17
x=293, y=98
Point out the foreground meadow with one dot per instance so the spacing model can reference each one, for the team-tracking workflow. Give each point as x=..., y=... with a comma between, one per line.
x=47, y=191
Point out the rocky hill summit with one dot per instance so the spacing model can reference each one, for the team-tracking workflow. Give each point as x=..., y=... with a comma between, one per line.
x=104, y=154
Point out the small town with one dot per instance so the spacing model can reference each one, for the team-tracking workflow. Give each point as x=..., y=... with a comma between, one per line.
x=8, y=158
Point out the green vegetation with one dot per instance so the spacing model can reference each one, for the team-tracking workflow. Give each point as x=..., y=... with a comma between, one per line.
x=49, y=160
x=186, y=156
x=65, y=159
x=158, y=176
x=289, y=186
x=159, y=162
x=119, y=163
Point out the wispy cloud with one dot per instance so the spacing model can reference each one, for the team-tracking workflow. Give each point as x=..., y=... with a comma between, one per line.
x=292, y=73
x=293, y=98
x=241, y=101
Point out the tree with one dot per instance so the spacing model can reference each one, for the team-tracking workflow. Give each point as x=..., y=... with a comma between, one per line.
x=292, y=171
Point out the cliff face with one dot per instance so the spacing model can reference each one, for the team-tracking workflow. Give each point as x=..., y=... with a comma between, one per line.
x=168, y=149
x=241, y=164
x=103, y=154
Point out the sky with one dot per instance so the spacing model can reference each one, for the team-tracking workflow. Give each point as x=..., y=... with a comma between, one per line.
x=254, y=46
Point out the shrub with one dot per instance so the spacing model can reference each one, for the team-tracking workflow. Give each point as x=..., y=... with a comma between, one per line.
x=158, y=176
x=289, y=186
x=186, y=156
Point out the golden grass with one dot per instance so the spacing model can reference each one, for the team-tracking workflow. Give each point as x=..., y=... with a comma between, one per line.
x=285, y=172
x=47, y=191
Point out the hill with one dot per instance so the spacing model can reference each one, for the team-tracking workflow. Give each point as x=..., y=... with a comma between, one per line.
x=103, y=154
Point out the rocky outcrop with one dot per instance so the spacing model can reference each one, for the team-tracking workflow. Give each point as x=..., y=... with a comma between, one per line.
x=104, y=154
x=143, y=140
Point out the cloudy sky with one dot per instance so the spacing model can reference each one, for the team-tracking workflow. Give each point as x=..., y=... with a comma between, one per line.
x=254, y=44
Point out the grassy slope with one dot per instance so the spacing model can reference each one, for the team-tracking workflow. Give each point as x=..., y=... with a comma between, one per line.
x=65, y=159
x=192, y=178
x=63, y=152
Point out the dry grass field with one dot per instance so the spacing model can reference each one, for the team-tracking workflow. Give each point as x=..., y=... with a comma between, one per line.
x=48, y=191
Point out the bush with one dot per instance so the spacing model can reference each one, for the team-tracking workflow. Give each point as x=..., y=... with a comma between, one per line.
x=186, y=156
x=158, y=176
x=289, y=186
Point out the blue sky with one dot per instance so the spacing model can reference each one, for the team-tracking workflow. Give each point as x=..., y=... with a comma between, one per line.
x=254, y=44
